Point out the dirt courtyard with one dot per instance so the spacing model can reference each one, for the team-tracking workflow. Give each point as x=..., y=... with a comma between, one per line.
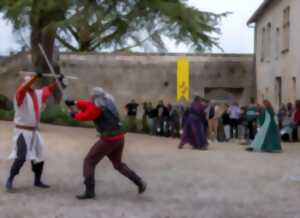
x=223, y=182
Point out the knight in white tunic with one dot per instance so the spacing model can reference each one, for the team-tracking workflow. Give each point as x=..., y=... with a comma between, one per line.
x=28, y=143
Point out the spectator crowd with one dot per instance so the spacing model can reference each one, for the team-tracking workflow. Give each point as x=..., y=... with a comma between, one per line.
x=224, y=122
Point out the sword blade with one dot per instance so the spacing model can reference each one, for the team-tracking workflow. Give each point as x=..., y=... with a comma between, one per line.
x=52, y=71
x=68, y=77
x=29, y=73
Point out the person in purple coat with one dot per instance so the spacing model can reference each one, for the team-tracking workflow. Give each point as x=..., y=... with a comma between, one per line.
x=194, y=131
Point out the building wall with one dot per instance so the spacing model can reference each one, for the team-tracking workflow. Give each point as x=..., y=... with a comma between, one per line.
x=148, y=77
x=286, y=64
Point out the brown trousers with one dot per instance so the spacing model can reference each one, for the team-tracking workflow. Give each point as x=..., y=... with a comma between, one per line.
x=114, y=151
x=213, y=128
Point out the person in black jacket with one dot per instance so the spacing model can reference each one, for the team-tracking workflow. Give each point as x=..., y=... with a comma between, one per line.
x=132, y=109
x=226, y=123
x=146, y=127
x=174, y=122
x=162, y=114
x=151, y=118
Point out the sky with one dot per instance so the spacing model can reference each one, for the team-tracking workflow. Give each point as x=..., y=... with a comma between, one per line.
x=236, y=36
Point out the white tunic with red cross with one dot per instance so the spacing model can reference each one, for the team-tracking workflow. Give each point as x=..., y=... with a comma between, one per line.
x=28, y=106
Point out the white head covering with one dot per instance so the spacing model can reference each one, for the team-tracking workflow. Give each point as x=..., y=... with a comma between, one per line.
x=97, y=92
x=104, y=99
x=109, y=96
x=98, y=95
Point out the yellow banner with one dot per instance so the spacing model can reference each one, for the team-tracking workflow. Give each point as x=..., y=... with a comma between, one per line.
x=183, y=79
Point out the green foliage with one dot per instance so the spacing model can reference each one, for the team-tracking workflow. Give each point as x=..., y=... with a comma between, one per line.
x=52, y=115
x=7, y=115
x=58, y=116
x=6, y=108
x=5, y=103
x=117, y=25
x=127, y=126
x=22, y=13
x=122, y=25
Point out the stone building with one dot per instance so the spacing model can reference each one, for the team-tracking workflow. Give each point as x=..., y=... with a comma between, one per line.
x=277, y=59
x=146, y=77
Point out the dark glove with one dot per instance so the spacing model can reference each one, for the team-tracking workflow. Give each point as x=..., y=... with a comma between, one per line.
x=61, y=79
x=72, y=114
x=70, y=103
x=39, y=75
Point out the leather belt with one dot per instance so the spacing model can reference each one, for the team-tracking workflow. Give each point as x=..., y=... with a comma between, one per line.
x=30, y=128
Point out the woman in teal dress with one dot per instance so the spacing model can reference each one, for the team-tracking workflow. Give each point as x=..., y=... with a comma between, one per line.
x=267, y=139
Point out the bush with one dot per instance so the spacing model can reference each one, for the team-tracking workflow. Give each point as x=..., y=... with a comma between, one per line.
x=7, y=115
x=59, y=116
x=5, y=103
x=139, y=125
x=53, y=115
x=125, y=124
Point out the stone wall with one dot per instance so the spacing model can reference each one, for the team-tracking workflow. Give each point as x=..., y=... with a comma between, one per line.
x=146, y=77
x=9, y=73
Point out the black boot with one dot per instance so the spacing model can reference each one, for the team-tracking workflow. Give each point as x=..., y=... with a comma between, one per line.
x=142, y=186
x=38, y=170
x=15, y=169
x=132, y=176
x=89, y=189
x=40, y=184
x=9, y=184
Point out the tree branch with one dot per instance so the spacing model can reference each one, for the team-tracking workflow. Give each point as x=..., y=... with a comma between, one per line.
x=66, y=44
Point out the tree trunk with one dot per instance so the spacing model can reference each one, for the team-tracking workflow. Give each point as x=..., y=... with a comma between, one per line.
x=85, y=46
x=42, y=33
x=47, y=41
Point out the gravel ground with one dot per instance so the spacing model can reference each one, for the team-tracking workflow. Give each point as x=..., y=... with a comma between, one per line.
x=224, y=181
